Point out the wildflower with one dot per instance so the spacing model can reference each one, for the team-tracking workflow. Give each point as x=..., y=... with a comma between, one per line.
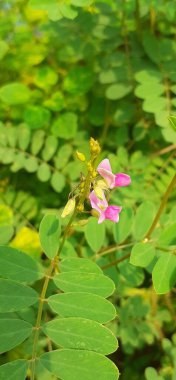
x=112, y=180
x=105, y=211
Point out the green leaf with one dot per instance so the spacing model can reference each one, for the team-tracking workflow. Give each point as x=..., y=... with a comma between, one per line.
x=45, y=76
x=15, y=296
x=24, y=136
x=14, y=93
x=6, y=215
x=83, y=305
x=164, y=273
x=19, y=162
x=172, y=120
x=44, y=172
x=154, y=104
x=95, y=234
x=108, y=76
x=31, y=164
x=151, y=374
x=6, y=233
x=51, y=8
x=123, y=229
x=142, y=254
x=143, y=219
x=55, y=102
x=37, y=141
x=15, y=370
x=118, y=91
x=68, y=251
x=50, y=147
x=57, y=181
x=37, y=117
x=79, y=364
x=131, y=275
x=3, y=49
x=145, y=91
x=18, y=266
x=168, y=236
x=11, y=135
x=81, y=333
x=13, y=332
x=49, y=233
x=81, y=3
x=145, y=76
x=78, y=80
x=65, y=126
x=81, y=265
x=152, y=46
x=67, y=11
x=85, y=282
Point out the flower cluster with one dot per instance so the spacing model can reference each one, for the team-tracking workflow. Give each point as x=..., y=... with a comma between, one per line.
x=99, y=201
x=95, y=185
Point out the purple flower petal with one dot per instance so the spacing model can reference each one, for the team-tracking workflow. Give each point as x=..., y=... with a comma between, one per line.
x=112, y=213
x=122, y=179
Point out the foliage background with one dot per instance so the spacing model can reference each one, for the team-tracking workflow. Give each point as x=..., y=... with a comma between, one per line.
x=108, y=73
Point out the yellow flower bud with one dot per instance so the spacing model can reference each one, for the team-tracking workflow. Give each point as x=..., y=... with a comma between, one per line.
x=80, y=156
x=94, y=146
x=69, y=208
x=80, y=208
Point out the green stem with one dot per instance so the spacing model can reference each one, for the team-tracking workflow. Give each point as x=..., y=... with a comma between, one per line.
x=116, y=262
x=162, y=206
x=43, y=295
x=39, y=316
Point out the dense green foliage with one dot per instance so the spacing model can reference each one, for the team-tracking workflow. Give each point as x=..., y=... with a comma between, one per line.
x=70, y=71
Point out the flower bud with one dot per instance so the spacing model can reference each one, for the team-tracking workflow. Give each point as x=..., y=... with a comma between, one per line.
x=94, y=147
x=69, y=208
x=80, y=156
x=80, y=208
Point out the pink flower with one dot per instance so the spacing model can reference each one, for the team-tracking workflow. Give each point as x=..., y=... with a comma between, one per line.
x=105, y=211
x=112, y=180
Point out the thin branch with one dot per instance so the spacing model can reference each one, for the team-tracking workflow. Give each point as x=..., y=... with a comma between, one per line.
x=162, y=206
x=164, y=150
x=116, y=262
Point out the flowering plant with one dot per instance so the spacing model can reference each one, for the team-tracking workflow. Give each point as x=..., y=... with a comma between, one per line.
x=95, y=186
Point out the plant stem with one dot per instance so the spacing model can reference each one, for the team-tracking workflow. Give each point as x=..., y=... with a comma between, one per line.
x=162, y=206
x=39, y=316
x=43, y=294
x=116, y=262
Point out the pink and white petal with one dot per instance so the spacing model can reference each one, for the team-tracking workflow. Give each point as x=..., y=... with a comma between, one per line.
x=112, y=213
x=96, y=203
x=101, y=217
x=105, y=164
x=109, y=177
x=122, y=179
x=104, y=169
